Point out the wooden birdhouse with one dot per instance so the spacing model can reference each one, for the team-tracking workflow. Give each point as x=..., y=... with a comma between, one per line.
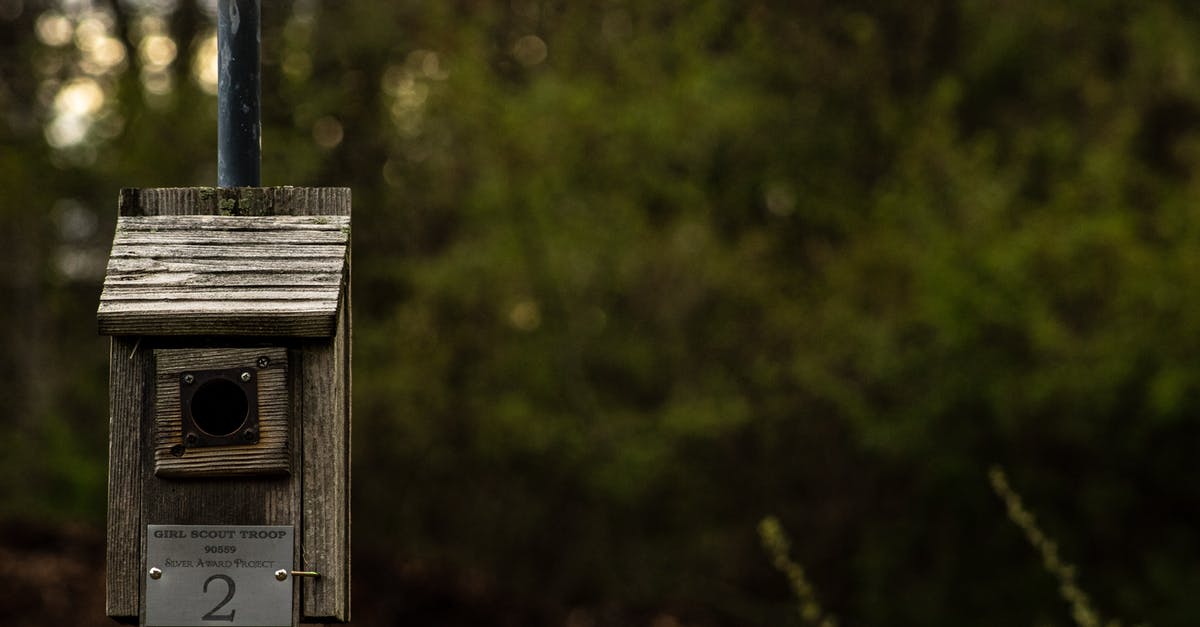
x=229, y=459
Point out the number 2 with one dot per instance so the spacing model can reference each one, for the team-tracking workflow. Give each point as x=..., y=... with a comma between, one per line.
x=212, y=614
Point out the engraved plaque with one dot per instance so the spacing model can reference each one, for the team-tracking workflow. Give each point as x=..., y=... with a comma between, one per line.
x=218, y=575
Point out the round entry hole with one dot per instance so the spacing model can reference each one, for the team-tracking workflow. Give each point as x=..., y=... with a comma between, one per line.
x=219, y=407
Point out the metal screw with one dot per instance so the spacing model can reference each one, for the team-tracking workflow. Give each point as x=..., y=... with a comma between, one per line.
x=246, y=377
x=250, y=435
x=281, y=574
x=264, y=361
x=155, y=573
x=189, y=379
x=178, y=450
x=191, y=439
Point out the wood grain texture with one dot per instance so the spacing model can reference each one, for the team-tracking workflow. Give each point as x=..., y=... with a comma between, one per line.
x=227, y=250
x=169, y=279
x=129, y=367
x=315, y=498
x=265, y=267
x=250, y=320
x=210, y=275
x=243, y=201
x=271, y=455
x=326, y=548
x=285, y=227
x=325, y=398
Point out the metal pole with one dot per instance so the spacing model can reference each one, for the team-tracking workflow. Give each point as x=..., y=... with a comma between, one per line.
x=239, y=128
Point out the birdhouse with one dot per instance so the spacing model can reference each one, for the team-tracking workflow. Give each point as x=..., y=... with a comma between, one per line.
x=229, y=461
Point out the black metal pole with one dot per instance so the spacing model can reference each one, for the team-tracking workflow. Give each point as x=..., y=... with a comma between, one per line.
x=239, y=134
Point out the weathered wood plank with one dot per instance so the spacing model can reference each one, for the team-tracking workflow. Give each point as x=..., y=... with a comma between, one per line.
x=326, y=424
x=269, y=456
x=197, y=237
x=214, y=501
x=227, y=293
x=192, y=280
x=326, y=454
x=249, y=250
x=168, y=201
x=267, y=267
x=211, y=323
x=258, y=201
x=311, y=201
x=210, y=358
x=264, y=224
x=128, y=365
x=172, y=307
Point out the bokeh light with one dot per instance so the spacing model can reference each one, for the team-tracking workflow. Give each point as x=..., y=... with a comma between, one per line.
x=103, y=55
x=75, y=106
x=530, y=50
x=157, y=51
x=204, y=63
x=78, y=87
x=327, y=132
x=54, y=29
x=80, y=97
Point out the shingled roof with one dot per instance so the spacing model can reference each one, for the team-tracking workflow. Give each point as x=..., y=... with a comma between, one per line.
x=225, y=275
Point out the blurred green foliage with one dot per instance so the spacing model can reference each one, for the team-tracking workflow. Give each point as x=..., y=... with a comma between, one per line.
x=631, y=275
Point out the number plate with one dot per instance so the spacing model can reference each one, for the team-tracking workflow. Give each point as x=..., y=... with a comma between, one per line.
x=218, y=575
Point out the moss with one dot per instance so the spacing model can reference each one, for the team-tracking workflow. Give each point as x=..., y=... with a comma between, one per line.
x=255, y=201
x=227, y=206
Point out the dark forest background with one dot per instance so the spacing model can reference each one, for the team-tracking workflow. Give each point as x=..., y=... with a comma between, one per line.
x=632, y=276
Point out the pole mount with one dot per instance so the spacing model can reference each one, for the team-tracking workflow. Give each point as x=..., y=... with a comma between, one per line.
x=239, y=70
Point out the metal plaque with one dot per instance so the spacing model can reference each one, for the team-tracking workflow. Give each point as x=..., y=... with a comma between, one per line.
x=218, y=575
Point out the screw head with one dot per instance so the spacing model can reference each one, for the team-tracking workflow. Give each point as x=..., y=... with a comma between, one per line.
x=281, y=574
x=246, y=376
x=250, y=435
x=191, y=439
x=264, y=361
x=155, y=573
x=188, y=379
x=178, y=450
